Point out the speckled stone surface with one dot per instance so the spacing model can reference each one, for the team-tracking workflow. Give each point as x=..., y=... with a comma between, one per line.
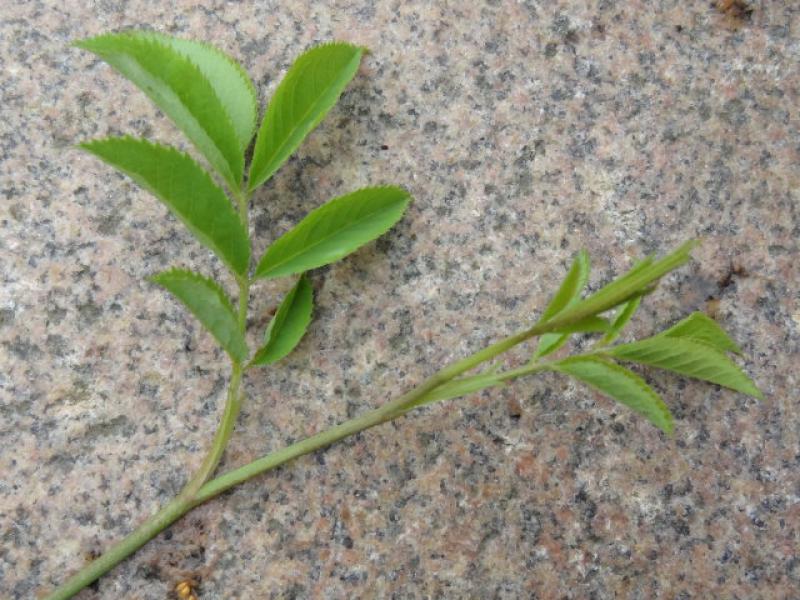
x=526, y=131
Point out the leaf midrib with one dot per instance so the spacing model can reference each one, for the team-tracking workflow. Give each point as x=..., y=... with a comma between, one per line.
x=300, y=125
x=198, y=134
x=307, y=248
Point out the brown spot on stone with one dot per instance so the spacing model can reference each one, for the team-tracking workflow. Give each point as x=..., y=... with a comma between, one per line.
x=737, y=11
x=514, y=408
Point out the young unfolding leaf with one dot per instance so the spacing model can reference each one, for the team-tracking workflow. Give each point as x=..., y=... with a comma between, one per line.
x=230, y=81
x=186, y=189
x=568, y=294
x=550, y=342
x=179, y=88
x=208, y=302
x=636, y=282
x=334, y=230
x=626, y=310
x=309, y=90
x=587, y=325
x=688, y=357
x=288, y=325
x=621, y=384
x=624, y=313
x=570, y=289
x=700, y=327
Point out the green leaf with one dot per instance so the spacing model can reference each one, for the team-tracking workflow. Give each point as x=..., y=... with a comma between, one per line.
x=621, y=384
x=568, y=293
x=587, y=325
x=570, y=289
x=639, y=280
x=626, y=310
x=207, y=301
x=700, y=327
x=334, y=230
x=186, y=189
x=624, y=313
x=689, y=357
x=309, y=90
x=179, y=88
x=550, y=342
x=230, y=81
x=288, y=325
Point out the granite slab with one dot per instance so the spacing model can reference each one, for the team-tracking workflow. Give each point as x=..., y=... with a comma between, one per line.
x=526, y=131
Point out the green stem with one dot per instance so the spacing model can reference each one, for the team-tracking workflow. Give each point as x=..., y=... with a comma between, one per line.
x=191, y=497
x=394, y=409
x=171, y=512
x=194, y=495
x=242, y=200
x=387, y=412
x=186, y=499
x=233, y=404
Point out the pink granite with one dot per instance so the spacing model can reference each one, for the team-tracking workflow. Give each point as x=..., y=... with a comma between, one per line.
x=525, y=131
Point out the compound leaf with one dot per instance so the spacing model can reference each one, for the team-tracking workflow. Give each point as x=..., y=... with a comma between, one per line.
x=621, y=384
x=179, y=88
x=334, y=230
x=207, y=301
x=700, y=327
x=288, y=325
x=309, y=90
x=230, y=81
x=689, y=357
x=187, y=190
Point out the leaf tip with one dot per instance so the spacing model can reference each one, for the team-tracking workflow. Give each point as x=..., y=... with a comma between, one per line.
x=755, y=392
x=158, y=278
x=688, y=246
x=93, y=43
x=401, y=191
x=668, y=426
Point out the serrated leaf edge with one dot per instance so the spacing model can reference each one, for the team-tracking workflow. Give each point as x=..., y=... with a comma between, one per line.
x=85, y=146
x=708, y=348
x=731, y=345
x=263, y=179
x=628, y=374
x=262, y=274
x=268, y=339
x=151, y=38
x=195, y=276
x=188, y=274
x=243, y=75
